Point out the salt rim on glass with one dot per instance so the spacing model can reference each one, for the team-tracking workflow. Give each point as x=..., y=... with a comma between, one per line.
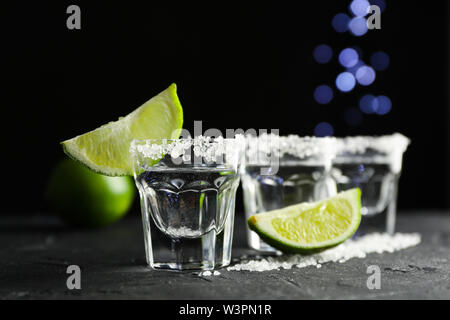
x=385, y=148
x=302, y=148
x=207, y=148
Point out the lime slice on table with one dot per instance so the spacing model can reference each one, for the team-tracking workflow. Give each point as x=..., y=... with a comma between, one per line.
x=310, y=227
x=106, y=149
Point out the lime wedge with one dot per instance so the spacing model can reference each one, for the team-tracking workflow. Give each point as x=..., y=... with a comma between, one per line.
x=106, y=149
x=310, y=227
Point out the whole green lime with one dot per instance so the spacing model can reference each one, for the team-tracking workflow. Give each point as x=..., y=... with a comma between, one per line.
x=85, y=198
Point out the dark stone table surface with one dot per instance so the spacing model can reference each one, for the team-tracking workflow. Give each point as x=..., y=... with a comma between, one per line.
x=35, y=252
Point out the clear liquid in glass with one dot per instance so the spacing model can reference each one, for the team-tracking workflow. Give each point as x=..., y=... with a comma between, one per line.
x=188, y=216
x=378, y=184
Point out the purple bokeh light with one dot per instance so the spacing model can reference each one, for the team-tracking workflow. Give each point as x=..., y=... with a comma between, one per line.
x=359, y=7
x=384, y=105
x=323, y=129
x=380, y=3
x=358, y=26
x=355, y=68
x=340, y=22
x=348, y=57
x=322, y=53
x=345, y=81
x=365, y=75
x=368, y=104
x=323, y=94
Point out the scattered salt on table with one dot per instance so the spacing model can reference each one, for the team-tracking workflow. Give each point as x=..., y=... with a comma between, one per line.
x=357, y=248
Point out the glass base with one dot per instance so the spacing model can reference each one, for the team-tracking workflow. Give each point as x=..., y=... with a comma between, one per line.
x=210, y=251
x=189, y=266
x=383, y=222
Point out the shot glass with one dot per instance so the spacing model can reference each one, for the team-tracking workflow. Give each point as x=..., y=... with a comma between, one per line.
x=282, y=171
x=187, y=189
x=372, y=164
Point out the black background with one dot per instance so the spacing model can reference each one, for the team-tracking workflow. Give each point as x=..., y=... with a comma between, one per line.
x=236, y=66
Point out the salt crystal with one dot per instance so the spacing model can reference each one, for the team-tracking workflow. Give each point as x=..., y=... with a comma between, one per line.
x=204, y=147
x=358, y=248
x=206, y=274
x=216, y=273
x=384, y=144
x=294, y=145
x=384, y=148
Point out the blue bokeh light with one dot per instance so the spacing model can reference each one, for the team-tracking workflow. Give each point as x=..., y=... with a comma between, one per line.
x=358, y=51
x=323, y=129
x=359, y=7
x=353, y=117
x=380, y=3
x=380, y=61
x=340, y=22
x=345, y=81
x=365, y=75
x=348, y=57
x=323, y=94
x=384, y=105
x=355, y=68
x=358, y=26
x=323, y=53
x=368, y=104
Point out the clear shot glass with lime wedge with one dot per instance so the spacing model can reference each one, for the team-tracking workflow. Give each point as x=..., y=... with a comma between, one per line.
x=281, y=171
x=372, y=164
x=187, y=190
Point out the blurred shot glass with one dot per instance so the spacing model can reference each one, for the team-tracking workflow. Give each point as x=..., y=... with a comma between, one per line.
x=282, y=171
x=372, y=164
x=187, y=190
